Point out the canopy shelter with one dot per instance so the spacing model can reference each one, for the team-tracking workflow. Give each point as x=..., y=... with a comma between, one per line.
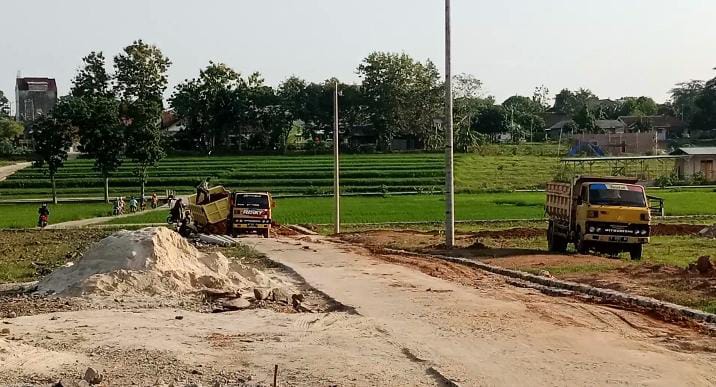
x=642, y=167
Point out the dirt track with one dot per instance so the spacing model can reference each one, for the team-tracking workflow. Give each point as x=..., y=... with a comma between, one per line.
x=416, y=322
x=8, y=170
x=490, y=333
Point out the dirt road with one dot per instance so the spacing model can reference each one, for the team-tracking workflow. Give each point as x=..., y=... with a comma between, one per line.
x=10, y=169
x=493, y=334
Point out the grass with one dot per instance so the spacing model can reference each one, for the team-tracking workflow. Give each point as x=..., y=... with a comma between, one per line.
x=415, y=208
x=279, y=174
x=25, y=215
x=678, y=250
x=47, y=249
x=430, y=208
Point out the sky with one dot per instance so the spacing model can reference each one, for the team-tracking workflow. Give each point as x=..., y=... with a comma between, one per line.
x=615, y=48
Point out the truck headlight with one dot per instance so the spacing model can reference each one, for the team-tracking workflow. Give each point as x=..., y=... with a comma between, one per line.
x=599, y=229
x=644, y=232
x=591, y=229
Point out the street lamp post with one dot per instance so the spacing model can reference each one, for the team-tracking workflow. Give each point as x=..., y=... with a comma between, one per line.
x=449, y=177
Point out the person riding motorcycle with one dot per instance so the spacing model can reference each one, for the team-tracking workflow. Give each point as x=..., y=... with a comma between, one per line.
x=44, y=217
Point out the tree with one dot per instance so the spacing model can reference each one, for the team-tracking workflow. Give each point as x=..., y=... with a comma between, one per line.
x=524, y=115
x=211, y=106
x=100, y=132
x=292, y=95
x=569, y=102
x=140, y=73
x=704, y=116
x=466, y=86
x=403, y=96
x=144, y=142
x=92, y=80
x=637, y=106
x=9, y=128
x=52, y=139
x=4, y=105
x=541, y=97
x=684, y=96
x=492, y=120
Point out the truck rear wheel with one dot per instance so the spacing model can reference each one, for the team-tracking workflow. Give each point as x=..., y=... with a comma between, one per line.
x=635, y=252
x=556, y=243
x=266, y=233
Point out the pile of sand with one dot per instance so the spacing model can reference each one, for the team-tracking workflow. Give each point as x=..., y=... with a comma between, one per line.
x=151, y=261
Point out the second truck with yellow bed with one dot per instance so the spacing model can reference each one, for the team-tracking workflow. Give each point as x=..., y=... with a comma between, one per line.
x=603, y=214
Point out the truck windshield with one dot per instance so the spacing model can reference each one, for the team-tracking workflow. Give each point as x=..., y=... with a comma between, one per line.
x=613, y=194
x=255, y=201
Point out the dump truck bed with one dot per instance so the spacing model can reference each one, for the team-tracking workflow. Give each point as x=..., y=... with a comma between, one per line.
x=559, y=201
x=216, y=211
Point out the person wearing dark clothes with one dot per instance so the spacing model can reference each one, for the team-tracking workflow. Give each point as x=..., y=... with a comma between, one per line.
x=44, y=213
x=177, y=212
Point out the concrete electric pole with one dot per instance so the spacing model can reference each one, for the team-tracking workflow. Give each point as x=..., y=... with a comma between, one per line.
x=449, y=177
x=336, y=171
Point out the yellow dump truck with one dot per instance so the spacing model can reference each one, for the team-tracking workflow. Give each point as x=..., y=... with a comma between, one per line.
x=233, y=213
x=604, y=214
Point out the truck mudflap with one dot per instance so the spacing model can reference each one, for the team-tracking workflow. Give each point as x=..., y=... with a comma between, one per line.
x=616, y=239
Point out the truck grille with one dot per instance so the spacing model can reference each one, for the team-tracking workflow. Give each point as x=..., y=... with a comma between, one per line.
x=618, y=229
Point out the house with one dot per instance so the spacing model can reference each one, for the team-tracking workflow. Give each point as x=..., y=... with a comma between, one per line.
x=698, y=160
x=558, y=129
x=171, y=124
x=610, y=126
x=34, y=97
x=664, y=126
x=619, y=144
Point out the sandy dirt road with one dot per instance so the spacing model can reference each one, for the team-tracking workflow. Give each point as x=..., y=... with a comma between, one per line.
x=495, y=334
x=12, y=168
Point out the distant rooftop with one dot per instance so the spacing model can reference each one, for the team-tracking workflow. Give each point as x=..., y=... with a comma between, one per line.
x=36, y=84
x=706, y=150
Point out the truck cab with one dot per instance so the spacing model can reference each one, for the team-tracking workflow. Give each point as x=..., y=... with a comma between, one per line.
x=608, y=215
x=251, y=212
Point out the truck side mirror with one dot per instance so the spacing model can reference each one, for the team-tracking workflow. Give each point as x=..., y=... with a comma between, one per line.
x=273, y=204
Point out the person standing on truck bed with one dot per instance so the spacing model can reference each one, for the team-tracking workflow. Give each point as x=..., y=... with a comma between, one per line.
x=202, y=192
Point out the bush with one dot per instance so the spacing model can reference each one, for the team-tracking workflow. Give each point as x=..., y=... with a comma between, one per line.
x=7, y=148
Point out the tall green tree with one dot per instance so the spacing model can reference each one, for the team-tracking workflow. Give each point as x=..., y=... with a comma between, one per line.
x=492, y=120
x=704, y=117
x=292, y=95
x=571, y=102
x=93, y=109
x=141, y=79
x=92, y=80
x=637, y=106
x=403, y=96
x=52, y=138
x=210, y=106
x=144, y=141
x=683, y=98
x=524, y=114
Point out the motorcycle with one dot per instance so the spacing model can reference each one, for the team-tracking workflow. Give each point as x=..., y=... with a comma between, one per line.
x=42, y=221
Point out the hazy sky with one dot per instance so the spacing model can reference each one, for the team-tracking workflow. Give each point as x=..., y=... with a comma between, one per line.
x=614, y=47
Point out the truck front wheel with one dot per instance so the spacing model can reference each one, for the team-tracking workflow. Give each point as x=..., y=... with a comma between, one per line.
x=635, y=252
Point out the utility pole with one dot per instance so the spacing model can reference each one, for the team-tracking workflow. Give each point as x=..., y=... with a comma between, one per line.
x=336, y=171
x=449, y=177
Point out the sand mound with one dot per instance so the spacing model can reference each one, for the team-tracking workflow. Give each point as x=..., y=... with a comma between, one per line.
x=151, y=261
